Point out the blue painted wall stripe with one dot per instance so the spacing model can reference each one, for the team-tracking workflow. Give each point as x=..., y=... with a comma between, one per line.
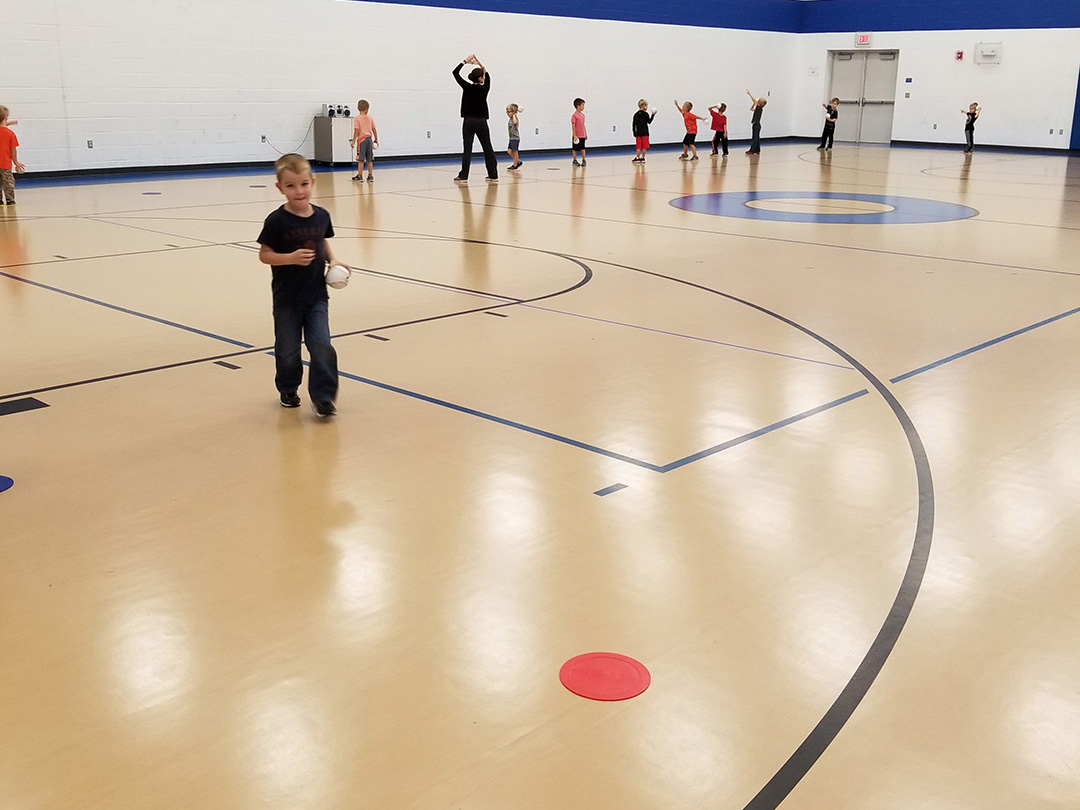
x=796, y=17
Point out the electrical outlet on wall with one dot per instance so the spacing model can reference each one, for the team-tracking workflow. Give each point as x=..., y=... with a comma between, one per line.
x=89, y=144
x=263, y=138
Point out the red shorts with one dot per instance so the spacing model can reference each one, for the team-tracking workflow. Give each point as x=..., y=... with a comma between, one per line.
x=642, y=141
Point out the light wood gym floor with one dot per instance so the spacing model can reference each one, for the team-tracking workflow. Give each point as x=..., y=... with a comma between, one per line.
x=822, y=480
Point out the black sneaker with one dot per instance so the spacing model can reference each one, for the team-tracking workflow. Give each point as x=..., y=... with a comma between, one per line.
x=576, y=163
x=290, y=400
x=324, y=407
x=356, y=177
x=371, y=178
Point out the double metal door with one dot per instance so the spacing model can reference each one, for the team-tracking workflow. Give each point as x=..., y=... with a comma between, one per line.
x=865, y=83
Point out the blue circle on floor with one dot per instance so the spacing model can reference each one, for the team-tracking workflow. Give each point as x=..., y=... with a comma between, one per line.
x=848, y=209
x=6, y=483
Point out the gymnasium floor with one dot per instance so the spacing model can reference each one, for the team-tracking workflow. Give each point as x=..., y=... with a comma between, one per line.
x=820, y=478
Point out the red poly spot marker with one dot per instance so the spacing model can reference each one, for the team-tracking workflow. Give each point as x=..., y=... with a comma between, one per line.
x=604, y=676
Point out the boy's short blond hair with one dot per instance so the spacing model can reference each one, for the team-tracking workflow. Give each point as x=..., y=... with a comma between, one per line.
x=642, y=103
x=4, y=113
x=362, y=105
x=292, y=162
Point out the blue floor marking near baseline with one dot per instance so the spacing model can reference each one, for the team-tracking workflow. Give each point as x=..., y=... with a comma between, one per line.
x=6, y=483
x=905, y=210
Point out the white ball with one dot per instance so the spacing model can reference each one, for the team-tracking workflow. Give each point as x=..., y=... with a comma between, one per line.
x=337, y=276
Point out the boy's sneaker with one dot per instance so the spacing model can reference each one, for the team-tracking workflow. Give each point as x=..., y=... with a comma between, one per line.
x=371, y=177
x=583, y=161
x=324, y=407
x=694, y=157
x=460, y=179
x=684, y=157
x=356, y=177
x=576, y=163
x=290, y=400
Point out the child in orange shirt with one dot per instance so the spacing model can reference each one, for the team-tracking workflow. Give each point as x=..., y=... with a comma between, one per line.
x=8, y=158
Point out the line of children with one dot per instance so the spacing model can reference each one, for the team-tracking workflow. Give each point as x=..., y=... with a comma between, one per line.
x=365, y=139
x=9, y=157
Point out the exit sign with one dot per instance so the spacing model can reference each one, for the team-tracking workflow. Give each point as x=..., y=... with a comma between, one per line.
x=862, y=40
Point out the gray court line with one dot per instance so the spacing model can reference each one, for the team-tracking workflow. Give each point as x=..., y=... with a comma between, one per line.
x=685, y=336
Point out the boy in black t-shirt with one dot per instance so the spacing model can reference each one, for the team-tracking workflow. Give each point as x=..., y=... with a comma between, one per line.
x=294, y=243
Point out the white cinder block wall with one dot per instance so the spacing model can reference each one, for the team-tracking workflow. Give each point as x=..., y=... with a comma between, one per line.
x=189, y=82
x=1032, y=91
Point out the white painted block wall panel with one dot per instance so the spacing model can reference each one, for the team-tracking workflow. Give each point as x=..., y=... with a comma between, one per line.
x=188, y=81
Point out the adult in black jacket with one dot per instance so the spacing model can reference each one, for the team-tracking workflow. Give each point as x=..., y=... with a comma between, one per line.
x=474, y=117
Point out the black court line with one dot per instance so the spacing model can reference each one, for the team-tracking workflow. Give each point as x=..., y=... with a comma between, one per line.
x=835, y=718
x=223, y=364
x=377, y=337
x=21, y=405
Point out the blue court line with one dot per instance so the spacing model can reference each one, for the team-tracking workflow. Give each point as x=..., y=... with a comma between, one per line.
x=609, y=490
x=682, y=462
x=127, y=311
x=983, y=345
x=547, y=434
x=501, y=421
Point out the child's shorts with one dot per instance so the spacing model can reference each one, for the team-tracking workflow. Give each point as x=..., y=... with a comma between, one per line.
x=689, y=139
x=642, y=142
x=514, y=144
x=578, y=143
x=364, y=152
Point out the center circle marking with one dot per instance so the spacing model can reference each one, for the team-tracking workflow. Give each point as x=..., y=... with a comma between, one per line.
x=824, y=207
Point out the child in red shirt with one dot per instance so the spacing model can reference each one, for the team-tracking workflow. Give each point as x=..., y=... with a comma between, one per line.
x=719, y=127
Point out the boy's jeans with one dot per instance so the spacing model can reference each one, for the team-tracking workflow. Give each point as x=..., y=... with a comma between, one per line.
x=312, y=322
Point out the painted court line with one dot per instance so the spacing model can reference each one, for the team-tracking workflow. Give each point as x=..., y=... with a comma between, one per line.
x=21, y=405
x=985, y=345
